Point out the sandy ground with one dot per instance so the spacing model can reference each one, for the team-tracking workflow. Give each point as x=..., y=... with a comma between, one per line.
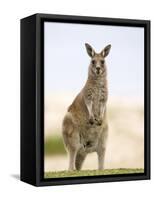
x=125, y=147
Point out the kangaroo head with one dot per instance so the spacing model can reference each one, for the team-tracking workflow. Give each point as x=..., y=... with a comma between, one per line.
x=97, y=63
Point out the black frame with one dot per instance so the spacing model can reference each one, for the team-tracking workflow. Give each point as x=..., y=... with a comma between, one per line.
x=32, y=99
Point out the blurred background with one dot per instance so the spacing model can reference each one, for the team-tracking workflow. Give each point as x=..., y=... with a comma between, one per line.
x=66, y=67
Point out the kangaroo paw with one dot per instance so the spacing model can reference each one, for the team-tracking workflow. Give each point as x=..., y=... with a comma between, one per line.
x=91, y=120
x=98, y=121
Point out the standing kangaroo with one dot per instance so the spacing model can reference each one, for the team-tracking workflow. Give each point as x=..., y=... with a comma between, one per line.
x=85, y=126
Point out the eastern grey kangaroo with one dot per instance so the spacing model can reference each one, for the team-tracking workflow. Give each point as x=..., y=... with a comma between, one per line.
x=85, y=126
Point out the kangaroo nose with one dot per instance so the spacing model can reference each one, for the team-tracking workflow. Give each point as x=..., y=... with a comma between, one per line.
x=97, y=68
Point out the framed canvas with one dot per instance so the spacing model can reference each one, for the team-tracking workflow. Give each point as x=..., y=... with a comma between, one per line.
x=85, y=99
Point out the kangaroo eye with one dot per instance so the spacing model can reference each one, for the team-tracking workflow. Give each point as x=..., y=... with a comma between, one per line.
x=102, y=62
x=93, y=62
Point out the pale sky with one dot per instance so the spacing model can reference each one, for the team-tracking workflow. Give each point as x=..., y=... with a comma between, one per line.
x=66, y=59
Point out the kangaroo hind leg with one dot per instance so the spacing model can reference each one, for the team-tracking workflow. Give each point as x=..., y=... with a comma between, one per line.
x=80, y=157
x=71, y=140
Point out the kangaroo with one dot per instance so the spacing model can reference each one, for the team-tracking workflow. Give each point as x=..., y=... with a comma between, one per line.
x=85, y=126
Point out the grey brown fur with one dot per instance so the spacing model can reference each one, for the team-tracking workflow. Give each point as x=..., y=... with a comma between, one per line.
x=85, y=126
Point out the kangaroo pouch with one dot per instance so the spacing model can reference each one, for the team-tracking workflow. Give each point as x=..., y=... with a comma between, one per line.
x=89, y=137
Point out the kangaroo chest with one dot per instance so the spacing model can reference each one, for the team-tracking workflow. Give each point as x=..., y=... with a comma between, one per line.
x=98, y=99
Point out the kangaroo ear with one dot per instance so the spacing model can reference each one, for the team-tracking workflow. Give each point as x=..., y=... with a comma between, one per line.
x=106, y=50
x=90, y=50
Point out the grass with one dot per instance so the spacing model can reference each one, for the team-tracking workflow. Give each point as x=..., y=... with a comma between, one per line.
x=54, y=145
x=60, y=174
